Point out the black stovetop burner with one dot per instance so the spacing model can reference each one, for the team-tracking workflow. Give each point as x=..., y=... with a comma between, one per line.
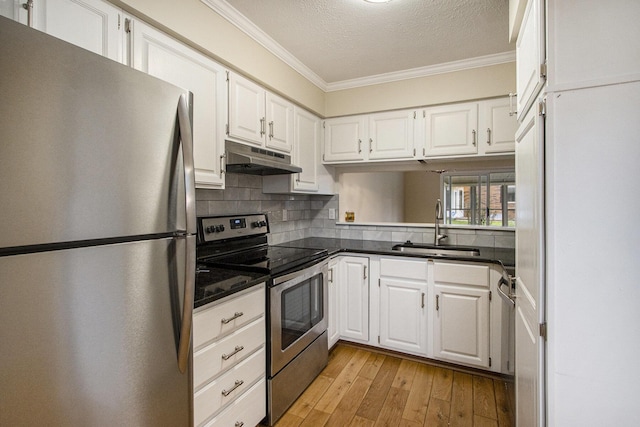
x=273, y=260
x=233, y=253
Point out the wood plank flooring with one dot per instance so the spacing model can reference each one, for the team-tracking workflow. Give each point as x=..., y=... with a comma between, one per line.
x=364, y=388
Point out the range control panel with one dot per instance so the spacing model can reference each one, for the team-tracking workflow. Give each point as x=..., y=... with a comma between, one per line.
x=216, y=228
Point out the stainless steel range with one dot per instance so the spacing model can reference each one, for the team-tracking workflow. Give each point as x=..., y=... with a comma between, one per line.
x=296, y=299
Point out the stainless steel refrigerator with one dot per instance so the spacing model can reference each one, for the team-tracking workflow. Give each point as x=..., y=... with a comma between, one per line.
x=97, y=239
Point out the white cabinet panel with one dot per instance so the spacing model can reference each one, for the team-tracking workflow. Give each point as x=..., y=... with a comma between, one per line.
x=161, y=56
x=461, y=325
x=497, y=129
x=403, y=315
x=333, y=326
x=593, y=43
x=279, y=123
x=452, y=130
x=91, y=24
x=344, y=139
x=530, y=57
x=247, y=118
x=354, y=298
x=258, y=117
x=391, y=135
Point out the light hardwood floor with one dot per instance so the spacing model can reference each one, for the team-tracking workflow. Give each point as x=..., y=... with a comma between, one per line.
x=364, y=388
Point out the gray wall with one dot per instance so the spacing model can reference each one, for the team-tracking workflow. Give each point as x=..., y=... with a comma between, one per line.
x=308, y=216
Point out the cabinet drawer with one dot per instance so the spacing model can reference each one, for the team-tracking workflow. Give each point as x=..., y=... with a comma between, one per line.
x=404, y=268
x=248, y=410
x=463, y=274
x=208, y=324
x=211, y=398
x=209, y=361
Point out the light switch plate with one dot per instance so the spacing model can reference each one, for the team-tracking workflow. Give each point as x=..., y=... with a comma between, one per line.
x=332, y=213
x=284, y=214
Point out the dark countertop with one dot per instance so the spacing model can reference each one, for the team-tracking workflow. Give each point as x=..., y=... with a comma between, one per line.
x=505, y=257
x=214, y=283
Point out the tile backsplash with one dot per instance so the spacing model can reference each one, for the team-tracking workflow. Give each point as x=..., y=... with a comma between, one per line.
x=296, y=216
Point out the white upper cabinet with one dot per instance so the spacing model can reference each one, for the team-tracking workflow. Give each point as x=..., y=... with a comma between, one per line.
x=391, y=135
x=258, y=117
x=451, y=130
x=94, y=25
x=530, y=57
x=315, y=178
x=161, y=56
x=280, y=126
x=372, y=137
x=344, y=139
x=497, y=129
x=602, y=49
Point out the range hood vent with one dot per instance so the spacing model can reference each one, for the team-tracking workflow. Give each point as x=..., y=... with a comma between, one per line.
x=257, y=161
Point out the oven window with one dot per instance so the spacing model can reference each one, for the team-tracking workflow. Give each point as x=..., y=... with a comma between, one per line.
x=301, y=309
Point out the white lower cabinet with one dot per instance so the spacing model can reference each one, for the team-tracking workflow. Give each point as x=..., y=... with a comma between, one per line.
x=354, y=298
x=333, y=324
x=440, y=309
x=461, y=313
x=229, y=360
x=403, y=304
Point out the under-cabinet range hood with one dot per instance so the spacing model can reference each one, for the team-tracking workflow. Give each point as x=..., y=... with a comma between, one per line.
x=257, y=161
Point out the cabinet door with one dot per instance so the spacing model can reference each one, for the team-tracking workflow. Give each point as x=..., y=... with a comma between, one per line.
x=161, y=56
x=14, y=10
x=247, y=119
x=403, y=315
x=279, y=123
x=90, y=24
x=451, y=130
x=461, y=325
x=391, y=135
x=344, y=139
x=333, y=325
x=530, y=57
x=305, y=153
x=354, y=298
x=497, y=129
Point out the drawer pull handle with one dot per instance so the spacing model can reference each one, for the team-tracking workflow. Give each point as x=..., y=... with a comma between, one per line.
x=238, y=349
x=235, y=316
x=239, y=424
x=237, y=384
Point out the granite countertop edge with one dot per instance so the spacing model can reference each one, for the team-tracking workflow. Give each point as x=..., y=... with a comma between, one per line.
x=502, y=256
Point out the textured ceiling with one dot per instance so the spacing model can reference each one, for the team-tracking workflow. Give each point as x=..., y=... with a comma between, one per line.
x=350, y=39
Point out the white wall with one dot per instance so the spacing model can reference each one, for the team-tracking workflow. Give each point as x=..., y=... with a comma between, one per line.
x=475, y=83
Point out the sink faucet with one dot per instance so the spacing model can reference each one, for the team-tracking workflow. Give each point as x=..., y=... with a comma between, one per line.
x=437, y=236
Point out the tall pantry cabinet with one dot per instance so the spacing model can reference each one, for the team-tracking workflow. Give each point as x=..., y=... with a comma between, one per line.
x=592, y=154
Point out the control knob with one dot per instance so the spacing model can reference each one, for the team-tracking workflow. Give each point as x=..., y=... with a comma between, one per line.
x=258, y=224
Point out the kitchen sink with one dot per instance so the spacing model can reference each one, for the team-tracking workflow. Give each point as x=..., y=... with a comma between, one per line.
x=413, y=248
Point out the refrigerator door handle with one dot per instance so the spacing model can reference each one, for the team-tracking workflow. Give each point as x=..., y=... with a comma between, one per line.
x=186, y=136
x=184, y=345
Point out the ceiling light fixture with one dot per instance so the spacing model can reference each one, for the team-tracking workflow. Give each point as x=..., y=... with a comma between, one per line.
x=377, y=1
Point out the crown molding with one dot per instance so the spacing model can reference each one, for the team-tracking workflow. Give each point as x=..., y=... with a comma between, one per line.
x=229, y=13
x=430, y=70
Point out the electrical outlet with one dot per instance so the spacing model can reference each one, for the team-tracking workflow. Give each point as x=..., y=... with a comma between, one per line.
x=284, y=214
x=332, y=213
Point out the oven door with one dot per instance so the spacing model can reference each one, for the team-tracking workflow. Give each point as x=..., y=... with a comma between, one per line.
x=298, y=312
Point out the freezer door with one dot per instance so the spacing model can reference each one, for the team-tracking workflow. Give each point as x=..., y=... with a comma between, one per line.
x=90, y=337
x=90, y=148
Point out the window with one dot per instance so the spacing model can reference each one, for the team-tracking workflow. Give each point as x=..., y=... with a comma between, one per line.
x=484, y=198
